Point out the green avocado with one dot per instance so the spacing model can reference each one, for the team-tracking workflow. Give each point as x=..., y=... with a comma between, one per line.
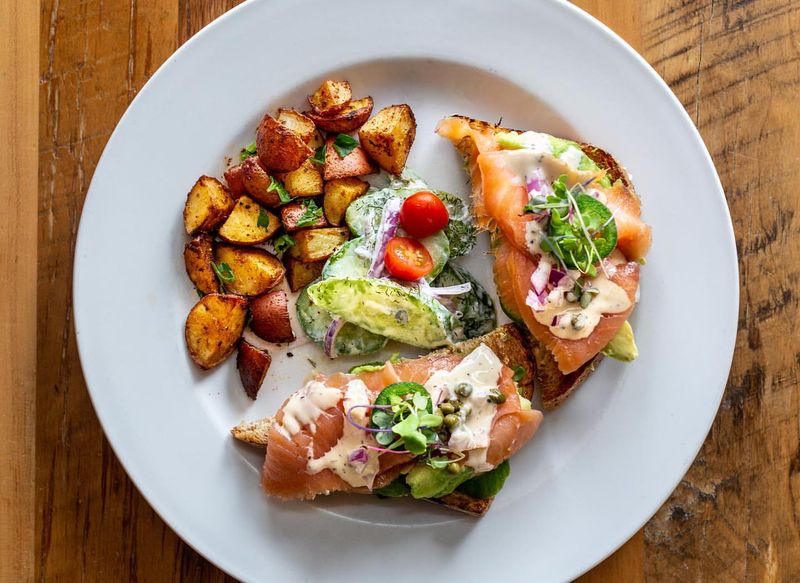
x=396, y=489
x=428, y=482
x=386, y=308
x=486, y=485
x=622, y=346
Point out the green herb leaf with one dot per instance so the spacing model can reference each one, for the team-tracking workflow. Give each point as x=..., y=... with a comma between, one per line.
x=263, y=218
x=282, y=243
x=430, y=420
x=319, y=155
x=519, y=373
x=199, y=293
x=344, y=144
x=224, y=273
x=247, y=151
x=283, y=194
x=311, y=215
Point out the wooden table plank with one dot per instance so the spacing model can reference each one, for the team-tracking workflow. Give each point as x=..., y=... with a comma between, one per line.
x=18, y=107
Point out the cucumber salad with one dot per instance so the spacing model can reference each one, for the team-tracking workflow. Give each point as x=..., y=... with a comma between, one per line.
x=396, y=279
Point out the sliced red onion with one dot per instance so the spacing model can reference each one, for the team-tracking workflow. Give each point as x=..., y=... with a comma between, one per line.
x=555, y=320
x=556, y=275
x=536, y=183
x=390, y=219
x=541, y=276
x=536, y=301
x=329, y=343
x=358, y=456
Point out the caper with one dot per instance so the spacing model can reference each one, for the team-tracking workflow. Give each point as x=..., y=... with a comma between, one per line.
x=454, y=468
x=451, y=420
x=463, y=389
x=456, y=404
x=586, y=299
x=579, y=321
x=466, y=409
x=447, y=408
x=495, y=396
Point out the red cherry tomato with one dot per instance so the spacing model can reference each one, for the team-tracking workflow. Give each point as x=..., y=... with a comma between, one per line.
x=407, y=259
x=423, y=214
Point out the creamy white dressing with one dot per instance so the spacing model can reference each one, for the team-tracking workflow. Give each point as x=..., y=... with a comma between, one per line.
x=572, y=156
x=534, y=231
x=481, y=369
x=525, y=163
x=336, y=459
x=306, y=405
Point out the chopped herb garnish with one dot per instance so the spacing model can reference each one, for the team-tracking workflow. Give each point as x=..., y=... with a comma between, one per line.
x=263, y=218
x=282, y=243
x=519, y=373
x=402, y=413
x=319, y=155
x=344, y=144
x=283, y=194
x=247, y=151
x=311, y=215
x=224, y=274
x=200, y=294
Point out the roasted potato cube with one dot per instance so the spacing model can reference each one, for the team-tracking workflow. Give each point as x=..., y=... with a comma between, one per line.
x=198, y=255
x=253, y=271
x=271, y=320
x=355, y=163
x=298, y=123
x=339, y=193
x=349, y=119
x=331, y=97
x=258, y=183
x=253, y=364
x=305, y=181
x=207, y=205
x=279, y=148
x=234, y=178
x=249, y=223
x=316, y=141
x=213, y=328
x=300, y=274
x=318, y=244
x=388, y=136
x=302, y=214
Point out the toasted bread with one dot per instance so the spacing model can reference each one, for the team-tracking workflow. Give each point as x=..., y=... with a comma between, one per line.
x=510, y=347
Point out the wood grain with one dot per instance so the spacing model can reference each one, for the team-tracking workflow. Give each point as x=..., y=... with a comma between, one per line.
x=733, y=64
x=18, y=106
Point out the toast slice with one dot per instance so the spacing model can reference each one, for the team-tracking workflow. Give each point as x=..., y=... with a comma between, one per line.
x=510, y=347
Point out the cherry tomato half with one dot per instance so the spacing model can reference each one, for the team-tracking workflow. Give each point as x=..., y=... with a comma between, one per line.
x=423, y=214
x=407, y=259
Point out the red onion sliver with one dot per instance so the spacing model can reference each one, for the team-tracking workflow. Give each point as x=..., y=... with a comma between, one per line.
x=358, y=456
x=541, y=276
x=556, y=275
x=536, y=304
x=329, y=343
x=390, y=219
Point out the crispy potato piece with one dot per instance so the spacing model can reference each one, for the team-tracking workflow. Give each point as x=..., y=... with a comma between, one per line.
x=331, y=97
x=257, y=183
x=255, y=271
x=316, y=141
x=241, y=226
x=213, y=328
x=300, y=274
x=292, y=213
x=388, y=136
x=298, y=123
x=339, y=193
x=349, y=119
x=207, y=205
x=271, y=320
x=198, y=255
x=234, y=177
x=279, y=148
x=313, y=245
x=305, y=181
x=253, y=364
x=355, y=163
x=254, y=432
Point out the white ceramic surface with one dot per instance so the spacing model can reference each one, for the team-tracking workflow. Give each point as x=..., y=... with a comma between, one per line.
x=600, y=466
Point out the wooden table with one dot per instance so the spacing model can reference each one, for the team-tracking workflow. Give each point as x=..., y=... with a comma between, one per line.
x=67, y=510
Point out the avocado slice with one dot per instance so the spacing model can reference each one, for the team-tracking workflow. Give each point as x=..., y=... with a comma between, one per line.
x=622, y=346
x=428, y=482
x=488, y=484
x=386, y=308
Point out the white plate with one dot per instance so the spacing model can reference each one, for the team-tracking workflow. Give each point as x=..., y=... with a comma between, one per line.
x=600, y=466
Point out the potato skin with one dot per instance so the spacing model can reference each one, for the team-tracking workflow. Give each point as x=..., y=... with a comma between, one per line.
x=197, y=256
x=299, y=274
x=207, y=205
x=305, y=181
x=311, y=245
x=349, y=119
x=253, y=365
x=255, y=270
x=234, y=177
x=213, y=327
x=271, y=320
x=279, y=148
x=356, y=163
x=293, y=212
x=241, y=227
x=388, y=137
x=331, y=97
x=339, y=193
x=257, y=182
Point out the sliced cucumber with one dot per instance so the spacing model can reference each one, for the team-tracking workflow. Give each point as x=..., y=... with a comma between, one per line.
x=365, y=211
x=386, y=308
x=346, y=262
x=439, y=248
x=351, y=339
x=474, y=311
